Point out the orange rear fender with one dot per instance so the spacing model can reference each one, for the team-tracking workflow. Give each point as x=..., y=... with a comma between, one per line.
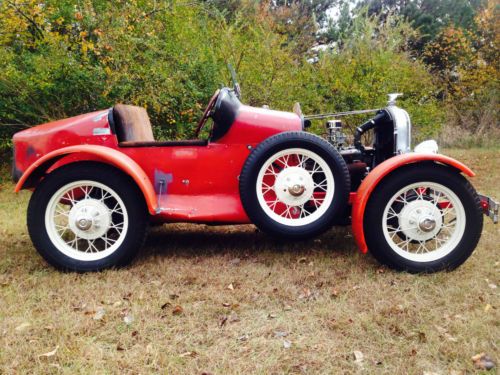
x=105, y=154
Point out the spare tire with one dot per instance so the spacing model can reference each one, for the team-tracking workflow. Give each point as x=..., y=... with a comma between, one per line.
x=294, y=185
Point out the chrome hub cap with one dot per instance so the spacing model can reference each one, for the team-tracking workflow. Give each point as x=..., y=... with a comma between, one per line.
x=294, y=186
x=84, y=223
x=427, y=224
x=89, y=219
x=420, y=220
x=296, y=190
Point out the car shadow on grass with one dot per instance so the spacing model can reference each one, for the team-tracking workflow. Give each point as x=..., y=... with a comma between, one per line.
x=187, y=240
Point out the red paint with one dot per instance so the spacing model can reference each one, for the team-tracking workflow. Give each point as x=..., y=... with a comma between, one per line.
x=352, y=197
x=378, y=173
x=203, y=184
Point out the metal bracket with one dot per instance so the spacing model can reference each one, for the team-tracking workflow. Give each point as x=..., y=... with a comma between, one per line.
x=490, y=207
x=161, y=182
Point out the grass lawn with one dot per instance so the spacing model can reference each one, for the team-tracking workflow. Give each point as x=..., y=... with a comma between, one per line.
x=228, y=300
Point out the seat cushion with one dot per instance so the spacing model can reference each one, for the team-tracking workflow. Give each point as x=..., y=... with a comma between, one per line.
x=132, y=124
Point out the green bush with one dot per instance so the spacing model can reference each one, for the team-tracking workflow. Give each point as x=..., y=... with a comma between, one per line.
x=58, y=59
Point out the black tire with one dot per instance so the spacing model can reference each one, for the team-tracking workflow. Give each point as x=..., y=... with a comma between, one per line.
x=270, y=147
x=122, y=185
x=424, y=172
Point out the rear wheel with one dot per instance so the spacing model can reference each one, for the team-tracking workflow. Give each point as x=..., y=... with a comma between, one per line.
x=294, y=185
x=87, y=217
x=423, y=218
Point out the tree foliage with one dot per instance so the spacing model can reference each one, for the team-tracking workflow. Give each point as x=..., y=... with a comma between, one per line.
x=59, y=58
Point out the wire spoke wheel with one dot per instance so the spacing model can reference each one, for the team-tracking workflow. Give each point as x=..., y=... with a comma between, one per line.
x=295, y=187
x=424, y=221
x=86, y=220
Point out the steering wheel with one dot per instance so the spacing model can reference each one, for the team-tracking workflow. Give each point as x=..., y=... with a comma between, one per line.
x=206, y=114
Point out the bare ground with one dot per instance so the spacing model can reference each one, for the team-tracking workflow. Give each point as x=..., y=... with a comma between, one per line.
x=228, y=300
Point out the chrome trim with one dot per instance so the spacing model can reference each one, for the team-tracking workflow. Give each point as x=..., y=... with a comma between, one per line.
x=402, y=129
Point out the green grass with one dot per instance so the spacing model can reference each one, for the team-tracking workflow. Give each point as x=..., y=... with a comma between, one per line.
x=328, y=299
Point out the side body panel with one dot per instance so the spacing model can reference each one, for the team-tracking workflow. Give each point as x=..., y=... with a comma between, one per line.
x=377, y=175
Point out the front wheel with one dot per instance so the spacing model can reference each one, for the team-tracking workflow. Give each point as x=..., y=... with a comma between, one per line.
x=86, y=217
x=423, y=218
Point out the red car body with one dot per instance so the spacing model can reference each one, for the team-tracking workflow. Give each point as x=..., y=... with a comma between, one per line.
x=201, y=180
x=257, y=166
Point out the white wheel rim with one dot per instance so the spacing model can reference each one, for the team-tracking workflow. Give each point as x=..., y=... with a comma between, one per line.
x=295, y=187
x=424, y=221
x=86, y=220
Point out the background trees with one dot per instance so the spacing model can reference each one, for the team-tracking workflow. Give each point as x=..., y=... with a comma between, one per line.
x=61, y=58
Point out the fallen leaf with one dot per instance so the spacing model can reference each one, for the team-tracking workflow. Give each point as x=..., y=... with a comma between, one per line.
x=79, y=307
x=306, y=293
x=358, y=357
x=178, y=310
x=23, y=326
x=128, y=319
x=422, y=337
x=225, y=304
x=287, y=344
x=483, y=361
x=450, y=337
x=165, y=305
x=120, y=347
x=99, y=314
x=441, y=330
x=188, y=354
x=222, y=320
x=230, y=286
x=49, y=354
x=272, y=316
x=302, y=260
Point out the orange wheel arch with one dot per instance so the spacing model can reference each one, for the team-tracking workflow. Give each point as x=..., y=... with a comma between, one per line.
x=377, y=175
x=107, y=155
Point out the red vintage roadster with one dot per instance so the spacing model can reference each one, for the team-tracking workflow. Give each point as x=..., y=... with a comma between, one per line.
x=99, y=178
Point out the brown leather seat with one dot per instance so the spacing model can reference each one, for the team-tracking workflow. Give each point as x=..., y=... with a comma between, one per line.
x=132, y=124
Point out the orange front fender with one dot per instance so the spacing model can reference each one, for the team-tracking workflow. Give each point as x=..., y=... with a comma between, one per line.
x=382, y=170
x=107, y=155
